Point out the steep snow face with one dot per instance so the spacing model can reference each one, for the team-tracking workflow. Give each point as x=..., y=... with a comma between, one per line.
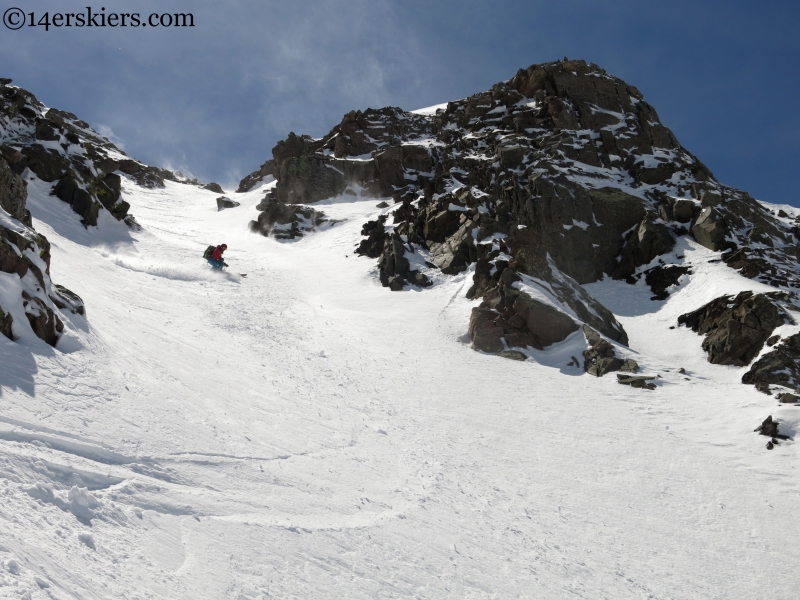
x=304, y=433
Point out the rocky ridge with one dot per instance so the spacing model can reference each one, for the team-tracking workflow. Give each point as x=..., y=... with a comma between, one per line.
x=85, y=170
x=84, y=167
x=558, y=177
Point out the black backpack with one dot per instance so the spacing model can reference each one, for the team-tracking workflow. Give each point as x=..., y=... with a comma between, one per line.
x=209, y=252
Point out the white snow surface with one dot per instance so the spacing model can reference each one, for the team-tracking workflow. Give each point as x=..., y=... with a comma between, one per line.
x=305, y=433
x=430, y=110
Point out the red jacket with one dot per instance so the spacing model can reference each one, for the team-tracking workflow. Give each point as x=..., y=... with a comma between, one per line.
x=217, y=254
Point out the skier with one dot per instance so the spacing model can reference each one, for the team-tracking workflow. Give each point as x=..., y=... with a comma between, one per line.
x=214, y=256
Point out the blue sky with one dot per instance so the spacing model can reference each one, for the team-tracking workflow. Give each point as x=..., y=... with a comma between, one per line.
x=213, y=100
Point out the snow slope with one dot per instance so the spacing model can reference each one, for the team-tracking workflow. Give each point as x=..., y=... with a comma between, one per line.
x=305, y=433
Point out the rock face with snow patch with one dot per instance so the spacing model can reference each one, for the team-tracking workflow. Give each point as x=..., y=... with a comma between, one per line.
x=600, y=358
x=249, y=182
x=224, y=202
x=561, y=175
x=26, y=254
x=285, y=221
x=736, y=328
x=781, y=367
x=84, y=167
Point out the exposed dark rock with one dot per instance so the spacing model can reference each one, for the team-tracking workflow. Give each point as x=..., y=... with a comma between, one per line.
x=5, y=324
x=547, y=324
x=309, y=178
x=376, y=234
x=763, y=264
x=533, y=266
x=26, y=254
x=710, y=230
x=82, y=155
x=485, y=333
x=457, y=251
x=285, y=221
x=213, y=187
x=788, y=398
x=65, y=299
x=736, y=328
x=393, y=267
x=44, y=322
x=563, y=175
x=70, y=191
x=393, y=263
x=13, y=193
x=144, y=176
x=48, y=164
x=663, y=277
x=636, y=381
x=46, y=132
x=130, y=221
x=630, y=366
x=511, y=315
x=780, y=367
x=292, y=146
x=512, y=354
x=773, y=340
x=249, y=182
x=642, y=245
x=683, y=211
x=224, y=202
x=770, y=428
x=600, y=358
x=510, y=156
x=16, y=160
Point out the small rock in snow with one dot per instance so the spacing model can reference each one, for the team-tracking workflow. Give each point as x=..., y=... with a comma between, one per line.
x=88, y=539
x=12, y=567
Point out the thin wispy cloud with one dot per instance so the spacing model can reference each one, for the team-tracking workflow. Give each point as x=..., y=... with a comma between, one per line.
x=216, y=97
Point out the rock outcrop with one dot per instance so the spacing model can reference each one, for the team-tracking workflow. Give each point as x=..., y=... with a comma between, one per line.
x=256, y=177
x=285, y=221
x=599, y=358
x=26, y=254
x=636, y=381
x=224, y=202
x=84, y=167
x=213, y=187
x=779, y=368
x=13, y=194
x=563, y=174
x=771, y=428
x=736, y=328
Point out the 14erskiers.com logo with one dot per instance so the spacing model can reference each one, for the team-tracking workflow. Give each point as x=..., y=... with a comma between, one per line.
x=16, y=18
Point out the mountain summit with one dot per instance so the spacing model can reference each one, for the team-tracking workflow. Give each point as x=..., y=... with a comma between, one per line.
x=556, y=178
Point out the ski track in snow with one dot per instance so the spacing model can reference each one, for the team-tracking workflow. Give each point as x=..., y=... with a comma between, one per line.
x=305, y=433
